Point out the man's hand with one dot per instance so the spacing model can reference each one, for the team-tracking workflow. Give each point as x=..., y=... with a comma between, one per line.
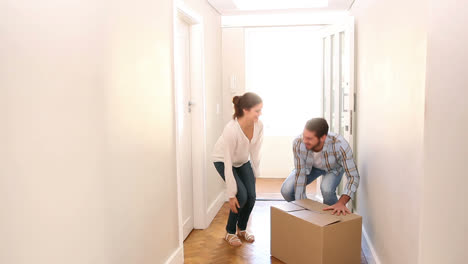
x=340, y=206
x=233, y=204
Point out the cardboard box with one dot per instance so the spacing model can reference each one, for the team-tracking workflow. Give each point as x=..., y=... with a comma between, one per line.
x=302, y=233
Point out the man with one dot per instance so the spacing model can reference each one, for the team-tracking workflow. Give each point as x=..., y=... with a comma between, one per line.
x=320, y=153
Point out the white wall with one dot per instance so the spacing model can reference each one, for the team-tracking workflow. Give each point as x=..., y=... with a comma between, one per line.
x=140, y=151
x=233, y=58
x=277, y=160
x=390, y=75
x=443, y=218
x=87, y=161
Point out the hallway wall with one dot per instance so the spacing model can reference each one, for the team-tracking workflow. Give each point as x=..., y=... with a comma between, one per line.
x=233, y=59
x=140, y=174
x=87, y=162
x=443, y=218
x=390, y=79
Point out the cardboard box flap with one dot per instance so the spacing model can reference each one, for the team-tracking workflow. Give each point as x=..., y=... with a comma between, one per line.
x=288, y=207
x=318, y=207
x=310, y=205
x=316, y=218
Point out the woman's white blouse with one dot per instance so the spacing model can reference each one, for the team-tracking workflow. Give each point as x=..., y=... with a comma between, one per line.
x=234, y=148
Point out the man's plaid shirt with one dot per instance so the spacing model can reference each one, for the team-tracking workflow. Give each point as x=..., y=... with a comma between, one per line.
x=336, y=156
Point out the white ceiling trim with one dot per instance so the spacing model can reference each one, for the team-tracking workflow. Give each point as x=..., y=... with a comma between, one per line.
x=228, y=7
x=274, y=20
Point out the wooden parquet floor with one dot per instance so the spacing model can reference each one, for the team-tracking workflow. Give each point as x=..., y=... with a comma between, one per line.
x=208, y=246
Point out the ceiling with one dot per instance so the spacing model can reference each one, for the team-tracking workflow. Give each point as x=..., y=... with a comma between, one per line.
x=228, y=7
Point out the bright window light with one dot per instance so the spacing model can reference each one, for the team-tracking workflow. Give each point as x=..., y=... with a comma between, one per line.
x=284, y=67
x=279, y=4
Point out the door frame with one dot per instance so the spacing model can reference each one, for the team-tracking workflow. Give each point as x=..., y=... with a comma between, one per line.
x=197, y=85
x=346, y=25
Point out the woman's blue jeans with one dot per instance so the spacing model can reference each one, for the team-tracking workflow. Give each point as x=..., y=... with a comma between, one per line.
x=246, y=195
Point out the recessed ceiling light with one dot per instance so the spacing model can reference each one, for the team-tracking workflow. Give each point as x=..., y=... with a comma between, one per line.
x=279, y=4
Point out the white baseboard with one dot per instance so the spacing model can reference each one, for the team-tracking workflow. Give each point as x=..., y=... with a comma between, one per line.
x=373, y=259
x=214, y=208
x=177, y=257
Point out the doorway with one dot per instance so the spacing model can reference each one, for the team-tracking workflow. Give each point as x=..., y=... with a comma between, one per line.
x=283, y=65
x=301, y=72
x=184, y=120
x=189, y=106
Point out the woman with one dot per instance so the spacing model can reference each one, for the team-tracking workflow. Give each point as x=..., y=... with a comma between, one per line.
x=241, y=137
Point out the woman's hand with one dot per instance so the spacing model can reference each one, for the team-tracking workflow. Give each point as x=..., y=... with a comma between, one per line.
x=233, y=204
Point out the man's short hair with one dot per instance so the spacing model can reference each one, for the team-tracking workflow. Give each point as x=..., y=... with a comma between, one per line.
x=317, y=125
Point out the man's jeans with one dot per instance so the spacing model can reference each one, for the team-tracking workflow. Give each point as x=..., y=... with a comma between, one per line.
x=328, y=187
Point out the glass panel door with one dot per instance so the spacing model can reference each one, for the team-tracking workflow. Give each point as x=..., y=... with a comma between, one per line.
x=337, y=82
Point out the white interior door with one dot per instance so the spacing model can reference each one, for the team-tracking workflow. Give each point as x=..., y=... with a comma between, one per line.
x=338, y=81
x=184, y=122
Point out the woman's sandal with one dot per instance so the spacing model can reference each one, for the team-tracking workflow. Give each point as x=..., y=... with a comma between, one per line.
x=233, y=240
x=246, y=236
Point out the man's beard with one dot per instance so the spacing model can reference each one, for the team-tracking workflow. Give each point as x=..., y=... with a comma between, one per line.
x=317, y=147
x=313, y=147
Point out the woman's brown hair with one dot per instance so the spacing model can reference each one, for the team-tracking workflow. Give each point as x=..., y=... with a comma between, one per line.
x=246, y=101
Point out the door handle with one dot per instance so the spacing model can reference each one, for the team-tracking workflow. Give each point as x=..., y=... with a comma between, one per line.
x=190, y=104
